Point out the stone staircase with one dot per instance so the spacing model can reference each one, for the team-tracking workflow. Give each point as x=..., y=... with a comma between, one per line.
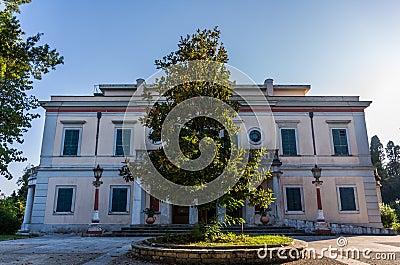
x=159, y=230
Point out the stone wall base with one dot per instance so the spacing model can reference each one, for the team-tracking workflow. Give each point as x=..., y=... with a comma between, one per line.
x=309, y=227
x=222, y=255
x=68, y=228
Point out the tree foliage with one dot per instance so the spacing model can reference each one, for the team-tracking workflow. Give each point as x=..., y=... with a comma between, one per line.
x=22, y=59
x=377, y=155
x=387, y=162
x=393, y=155
x=204, y=46
x=388, y=215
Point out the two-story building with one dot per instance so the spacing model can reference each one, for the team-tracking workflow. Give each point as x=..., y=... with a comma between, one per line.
x=61, y=194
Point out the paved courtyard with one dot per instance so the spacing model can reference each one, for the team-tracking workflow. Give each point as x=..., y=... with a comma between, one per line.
x=72, y=249
x=64, y=249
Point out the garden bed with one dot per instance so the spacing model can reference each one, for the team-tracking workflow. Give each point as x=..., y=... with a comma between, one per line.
x=227, y=248
x=229, y=240
x=11, y=237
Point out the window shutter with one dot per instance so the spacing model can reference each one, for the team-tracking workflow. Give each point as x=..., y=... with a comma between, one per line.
x=293, y=197
x=123, y=139
x=340, y=142
x=64, y=200
x=347, y=199
x=119, y=200
x=71, y=142
x=288, y=137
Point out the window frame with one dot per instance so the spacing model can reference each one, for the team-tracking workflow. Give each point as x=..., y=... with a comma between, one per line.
x=128, y=199
x=116, y=128
x=58, y=187
x=296, y=140
x=301, y=198
x=261, y=133
x=355, y=199
x=347, y=139
x=78, y=152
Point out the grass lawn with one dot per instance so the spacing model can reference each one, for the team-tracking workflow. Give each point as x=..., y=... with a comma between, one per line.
x=225, y=239
x=10, y=237
x=247, y=240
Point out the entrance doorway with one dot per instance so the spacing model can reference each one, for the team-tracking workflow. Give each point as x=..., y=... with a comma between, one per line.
x=238, y=213
x=206, y=216
x=180, y=214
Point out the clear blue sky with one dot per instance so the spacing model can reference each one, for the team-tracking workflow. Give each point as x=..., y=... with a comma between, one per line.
x=339, y=47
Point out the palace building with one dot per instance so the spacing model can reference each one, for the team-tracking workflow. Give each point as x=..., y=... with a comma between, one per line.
x=76, y=139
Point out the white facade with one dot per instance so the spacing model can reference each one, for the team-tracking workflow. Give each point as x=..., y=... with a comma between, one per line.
x=61, y=194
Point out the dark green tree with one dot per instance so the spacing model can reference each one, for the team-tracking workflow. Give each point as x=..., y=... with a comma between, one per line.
x=393, y=156
x=377, y=152
x=22, y=182
x=204, y=46
x=22, y=60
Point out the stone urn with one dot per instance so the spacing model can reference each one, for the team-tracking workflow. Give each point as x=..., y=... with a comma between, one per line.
x=264, y=219
x=150, y=216
x=150, y=220
x=264, y=216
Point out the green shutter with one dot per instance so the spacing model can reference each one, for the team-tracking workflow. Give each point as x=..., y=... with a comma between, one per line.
x=288, y=137
x=71, y=142
x=64, y=200
x=347, y=199
x=119, y=200
x=293, y=199
x=123, y=142
x=340, y=144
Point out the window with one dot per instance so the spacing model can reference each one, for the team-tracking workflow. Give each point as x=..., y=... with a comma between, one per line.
x=71, y=141
x=119, y=199
x=288, y=138
x=122, y=142
x=154, y=204
x=347, y=199
x=340, y=145
x=255, y=136
x=65, y=199
x=294, y=199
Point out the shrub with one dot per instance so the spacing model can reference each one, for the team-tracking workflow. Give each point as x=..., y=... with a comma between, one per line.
x=388, y=215
x=396, y=207
x=396, y=226
x=9, y=224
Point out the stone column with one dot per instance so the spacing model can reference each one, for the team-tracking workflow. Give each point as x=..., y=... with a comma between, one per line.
x=28, y=210
x=221, y=212
x=277, y=207
x=165, y=213
x=138, y=201
x=249, y=213
x=193, y=215
x=320, y=226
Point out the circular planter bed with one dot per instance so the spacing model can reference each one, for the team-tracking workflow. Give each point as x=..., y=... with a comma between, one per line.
x=186, y=254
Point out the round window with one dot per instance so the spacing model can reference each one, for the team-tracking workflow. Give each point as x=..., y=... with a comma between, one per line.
x=255, y=136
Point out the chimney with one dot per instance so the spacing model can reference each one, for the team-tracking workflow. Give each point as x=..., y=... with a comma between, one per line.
x=269, y=84
x=139, y=82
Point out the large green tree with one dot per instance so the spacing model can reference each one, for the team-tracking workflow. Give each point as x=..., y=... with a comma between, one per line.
x=22, y=60
x=393, y=156
x=204, y=52
x=391, y=179
x=377, y=152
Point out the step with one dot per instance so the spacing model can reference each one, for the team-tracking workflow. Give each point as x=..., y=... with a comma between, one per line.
x=145, y=230
x=160, y=234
